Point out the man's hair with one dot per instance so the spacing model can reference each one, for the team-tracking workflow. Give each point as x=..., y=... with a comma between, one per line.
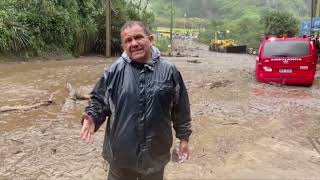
x=129, y=24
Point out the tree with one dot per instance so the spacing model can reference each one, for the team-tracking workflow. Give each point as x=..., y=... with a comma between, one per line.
x=279, y=23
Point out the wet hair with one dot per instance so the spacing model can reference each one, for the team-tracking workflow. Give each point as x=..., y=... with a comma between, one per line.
x=130, y=24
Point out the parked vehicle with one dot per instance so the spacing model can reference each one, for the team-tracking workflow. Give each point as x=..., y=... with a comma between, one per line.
x=291, y=61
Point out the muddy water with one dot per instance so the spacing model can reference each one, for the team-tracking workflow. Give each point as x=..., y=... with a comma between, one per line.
x=242, y=129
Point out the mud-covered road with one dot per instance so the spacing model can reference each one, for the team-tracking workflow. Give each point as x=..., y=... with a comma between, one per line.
x=241, y=129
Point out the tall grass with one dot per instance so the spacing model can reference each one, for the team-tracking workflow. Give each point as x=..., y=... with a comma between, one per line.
x=14, y=37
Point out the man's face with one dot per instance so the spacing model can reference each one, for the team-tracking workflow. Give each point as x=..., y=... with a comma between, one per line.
x=136, y=43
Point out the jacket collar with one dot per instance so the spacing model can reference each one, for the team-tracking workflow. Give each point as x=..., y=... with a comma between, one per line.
x=151, y=62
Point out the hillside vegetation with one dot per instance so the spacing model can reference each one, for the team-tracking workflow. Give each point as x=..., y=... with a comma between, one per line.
x=242, y=17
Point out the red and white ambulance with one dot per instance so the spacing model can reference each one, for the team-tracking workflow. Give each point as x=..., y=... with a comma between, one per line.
x=291, y=61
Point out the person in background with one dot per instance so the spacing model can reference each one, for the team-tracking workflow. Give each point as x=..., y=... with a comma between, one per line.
x=143, y=96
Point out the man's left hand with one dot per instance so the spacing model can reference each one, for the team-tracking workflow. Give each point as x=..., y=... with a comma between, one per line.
x=184, y=148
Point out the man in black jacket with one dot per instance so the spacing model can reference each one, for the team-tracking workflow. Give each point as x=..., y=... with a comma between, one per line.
x=142, y=95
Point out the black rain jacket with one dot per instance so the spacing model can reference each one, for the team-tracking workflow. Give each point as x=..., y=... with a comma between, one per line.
x=141, y=103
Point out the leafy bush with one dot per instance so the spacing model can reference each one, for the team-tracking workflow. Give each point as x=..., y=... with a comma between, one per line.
x=14, y=37
x=205, y=37
x=248, y=31
x=280, y=23
x=162, y=43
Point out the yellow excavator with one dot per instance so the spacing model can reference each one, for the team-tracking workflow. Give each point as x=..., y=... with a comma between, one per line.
x=221, y=43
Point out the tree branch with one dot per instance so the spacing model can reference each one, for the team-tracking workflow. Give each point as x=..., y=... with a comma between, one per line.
x=28, y=107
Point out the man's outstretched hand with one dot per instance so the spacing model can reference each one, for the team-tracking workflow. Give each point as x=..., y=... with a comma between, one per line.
x=87, y=129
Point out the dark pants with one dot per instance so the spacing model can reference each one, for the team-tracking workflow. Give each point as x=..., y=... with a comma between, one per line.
x=116, y=173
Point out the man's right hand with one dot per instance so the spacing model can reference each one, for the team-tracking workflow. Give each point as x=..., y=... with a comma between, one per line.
x=87, y=129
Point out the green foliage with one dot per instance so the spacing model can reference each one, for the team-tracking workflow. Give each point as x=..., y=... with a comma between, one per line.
x=241, y=17
x=248, y=31
x=205, y=36
x=280, y=23
x=162, y=43
x=33, y=27
x=122, y=13
x=14, y=37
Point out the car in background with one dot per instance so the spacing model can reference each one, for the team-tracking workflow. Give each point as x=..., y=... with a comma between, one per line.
x=291, y=61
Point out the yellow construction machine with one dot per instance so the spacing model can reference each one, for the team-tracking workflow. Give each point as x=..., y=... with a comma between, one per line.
x=221, y=43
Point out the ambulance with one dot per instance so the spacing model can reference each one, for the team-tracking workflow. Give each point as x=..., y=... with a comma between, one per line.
x=290, y=61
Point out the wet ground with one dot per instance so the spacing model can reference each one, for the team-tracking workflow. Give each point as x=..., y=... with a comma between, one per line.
x=242, y=129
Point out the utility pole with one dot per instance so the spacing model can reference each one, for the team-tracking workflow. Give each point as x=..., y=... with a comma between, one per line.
x=108, y=28
x=171, y=25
